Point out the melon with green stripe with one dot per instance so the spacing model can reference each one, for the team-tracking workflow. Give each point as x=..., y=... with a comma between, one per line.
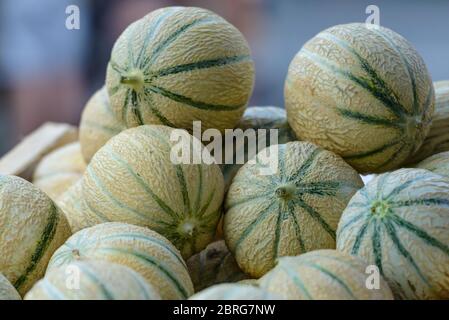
x=256, y=118
x=134, y=179
x=438, y=163
x=92, y=280
x=214, y=265
x=400, y=222
x=362, y=92
x=177, y=65
x=32, y=227
x=59, y=170
x=233, y=291
x=75, y=210
x=138, y=248
x=98, y=124
x=294, y=210
x=437, y=140
x=7, y=290
x=324, y=275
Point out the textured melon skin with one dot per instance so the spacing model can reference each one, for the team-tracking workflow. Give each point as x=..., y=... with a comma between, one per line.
x=323, y=275
x=138, y=248
x=98, y=280
x=291, y=212
x=267, y=117
x=75, y=210
x=363, y=93
x=132, y=179
x=233, y=291
x=400, y=222
x=437, y=140
x=177, y=65
x=438, y=163
x=7, y=290
x=214, y=265
x=32, y=228
x=59, y=170
x=98, y=124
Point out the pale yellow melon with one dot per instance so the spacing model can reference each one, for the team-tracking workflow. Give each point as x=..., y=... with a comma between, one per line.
x=177, y=65
x=92, y=280
x=324, y=275
x=138, y=248
x=98, y=124
x=292, y=211
x=233, y=291
x=362, y=92
x=214, y=265
x=59, y=170
x=438, y=163
x=133, y=179
x=32, y=227
x=7, y=290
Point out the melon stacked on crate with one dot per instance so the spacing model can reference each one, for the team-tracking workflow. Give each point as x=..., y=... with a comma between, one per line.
x=135, y=224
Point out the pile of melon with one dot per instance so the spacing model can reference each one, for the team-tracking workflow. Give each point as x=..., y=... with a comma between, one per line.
x=113, y=216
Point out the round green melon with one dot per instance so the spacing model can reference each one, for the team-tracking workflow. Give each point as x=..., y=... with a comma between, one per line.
x=177, y=65
x=256, y=118
x=400, y=222
x=362, y=92
x=32, y=227
x=438, y=163
x=138, y=248
x=214, y=265
x=7, y=290
x=98, y=124
x=132, y=179
x=293, y=211
x=92, y=280
x=233, y=291
x=323, y=275
x=59, y=170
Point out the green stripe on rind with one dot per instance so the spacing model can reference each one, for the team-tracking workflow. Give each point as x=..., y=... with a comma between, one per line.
x=372, y=152
x=142, y=287
x=184, y=190
x=405, y=185
x=377, y=246
x=375, y=84
x=277, y=233
x=393, y=157
x=136, y=107
x=116, y=67
x=320, y=188
x=97, y=213
x=144, y=185
x=297, y=281
x=391, y=230
x=367, y=119
x=200, y=188
x=305, y=167
x=190, y=102
x=155, y=263
x=350, y=223
x=97, y=282
x=42, y=245
x=125, y=107
x=249, y=199
x=315, y=215
x=428, y=239
x=359, y=238
x=51, y=290
x=206, y=205
x=204, y=64
x=420, y=202
x=332, y=276
x=250, y=228
x=149, y=100
x=296, y=226
x=107, y=129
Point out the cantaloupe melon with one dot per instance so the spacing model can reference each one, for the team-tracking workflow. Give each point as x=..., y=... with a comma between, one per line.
x=362, y=92
x=324, y=275
x=59, y=170
x=32, y=227
x=400, y=222
x=138, y=248
x=293, y=211
x=233, y=291
x=98, y=124
x=214, y=265
x=177, y=65
x=132, y=179
x=7, y=290
x=256, y=118
x=75, y=210
x=437, y=140
x=92, y=280
x=438, y=163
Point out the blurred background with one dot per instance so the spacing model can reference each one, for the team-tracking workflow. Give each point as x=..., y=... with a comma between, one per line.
x=48, y=72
